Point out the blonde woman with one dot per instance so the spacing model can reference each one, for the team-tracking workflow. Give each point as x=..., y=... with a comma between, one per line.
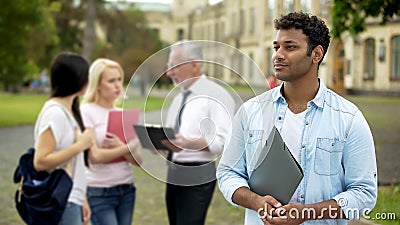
x=111, y=192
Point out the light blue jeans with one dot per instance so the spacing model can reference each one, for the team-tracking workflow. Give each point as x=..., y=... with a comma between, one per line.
x=72, y=215
x=112, y=206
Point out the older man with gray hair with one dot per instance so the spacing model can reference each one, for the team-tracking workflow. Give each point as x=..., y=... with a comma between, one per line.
x=200, y=114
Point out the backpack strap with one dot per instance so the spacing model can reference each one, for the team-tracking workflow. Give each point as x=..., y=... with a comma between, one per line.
x=70, y=167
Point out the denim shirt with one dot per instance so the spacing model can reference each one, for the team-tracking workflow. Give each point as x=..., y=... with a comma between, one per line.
x=337, y=152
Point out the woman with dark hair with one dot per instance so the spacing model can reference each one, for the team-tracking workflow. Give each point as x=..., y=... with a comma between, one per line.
x=60, y=139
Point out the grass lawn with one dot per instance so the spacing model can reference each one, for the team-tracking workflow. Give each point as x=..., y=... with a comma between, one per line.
x=23, y=109
x=20, y=109
x=145, y=104
x=387, y=210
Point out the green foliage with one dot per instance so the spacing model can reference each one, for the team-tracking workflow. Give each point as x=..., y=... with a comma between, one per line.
x=129, y=39
x=33, y=32
x=350, y=15
x=67, y=21
x=43, y=39
x=17, y=18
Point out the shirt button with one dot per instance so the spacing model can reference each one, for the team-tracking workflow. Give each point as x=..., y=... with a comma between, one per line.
x=303, y=146
x=301, y=196
x=279, y=118
x=307, y=123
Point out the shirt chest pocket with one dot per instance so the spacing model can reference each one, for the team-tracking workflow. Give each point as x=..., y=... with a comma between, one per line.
x=328, y=156
x=253, y=144
x=254, y=136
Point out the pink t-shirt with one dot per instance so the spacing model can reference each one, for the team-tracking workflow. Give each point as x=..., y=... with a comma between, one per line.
x=103, y=174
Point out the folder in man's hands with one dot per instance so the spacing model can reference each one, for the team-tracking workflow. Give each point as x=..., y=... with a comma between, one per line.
x=150, y=136
x=278, y=173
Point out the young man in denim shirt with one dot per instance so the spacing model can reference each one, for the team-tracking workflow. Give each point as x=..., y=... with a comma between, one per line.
x=327, y=135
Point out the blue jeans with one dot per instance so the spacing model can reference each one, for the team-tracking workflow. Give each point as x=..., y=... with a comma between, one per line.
x=72, y=215
x=112, y=206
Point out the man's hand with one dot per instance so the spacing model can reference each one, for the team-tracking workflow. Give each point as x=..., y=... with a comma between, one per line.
x=180, y=143
x=266, y=207
x=177, y=144
x=173, y=145
x=292, y=213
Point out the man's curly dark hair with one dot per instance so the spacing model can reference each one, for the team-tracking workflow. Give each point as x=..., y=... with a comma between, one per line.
x=314, y=28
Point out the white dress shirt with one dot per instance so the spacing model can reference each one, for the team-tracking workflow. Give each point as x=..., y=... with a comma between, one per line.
x=208, y=114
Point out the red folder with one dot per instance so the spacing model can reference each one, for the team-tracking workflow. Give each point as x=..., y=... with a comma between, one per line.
x=120, y=123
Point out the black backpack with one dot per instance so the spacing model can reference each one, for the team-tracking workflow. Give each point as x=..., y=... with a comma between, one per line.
x=41, y=197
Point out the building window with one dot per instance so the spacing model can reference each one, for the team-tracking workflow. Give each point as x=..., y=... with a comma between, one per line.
x=288, y=6
x=235, y=20
x=306, y=5
x=209, y=32
x=270, y=71
x=252, y=20
x=218, y=68
x=242, y=21
x=251, y=67
x=395, y=58
x=268, y=11
x=326, y=6
x=181, y=34
x=222, y=32
x=369, y=63
x=216, y=31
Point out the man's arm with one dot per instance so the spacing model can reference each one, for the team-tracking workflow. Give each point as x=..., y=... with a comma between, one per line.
x=231, y=170
x=359, y=163
x=248, y=199
x=271, y=210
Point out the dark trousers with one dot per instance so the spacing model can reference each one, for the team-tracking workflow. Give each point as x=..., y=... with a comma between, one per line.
x=187, y=205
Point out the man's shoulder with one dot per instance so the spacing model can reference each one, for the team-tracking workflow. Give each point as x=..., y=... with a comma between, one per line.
x=265, y=97
x=338, y=103
x=259, y=103
x=214, y=89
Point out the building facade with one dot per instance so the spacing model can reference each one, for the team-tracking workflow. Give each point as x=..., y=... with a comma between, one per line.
x=368, y=62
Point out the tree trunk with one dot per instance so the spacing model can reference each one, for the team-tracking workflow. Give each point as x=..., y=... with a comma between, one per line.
x=89, y=34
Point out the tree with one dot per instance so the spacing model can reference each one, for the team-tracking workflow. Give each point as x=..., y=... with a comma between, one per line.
x=43, y=40
x=350, y=15
x=89, y=33
x=129, y=40
x=68, y=21
x=17, y=18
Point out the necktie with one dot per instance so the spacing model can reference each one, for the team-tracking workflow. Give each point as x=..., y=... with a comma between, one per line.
x=178, y=118
x=181, y=108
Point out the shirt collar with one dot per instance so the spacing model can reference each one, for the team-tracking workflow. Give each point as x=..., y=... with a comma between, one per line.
x=318, y=100
x=197, y=86
x=320, y=97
